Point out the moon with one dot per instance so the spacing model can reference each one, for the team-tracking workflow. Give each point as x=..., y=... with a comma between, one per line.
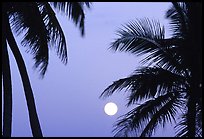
x=110, y=108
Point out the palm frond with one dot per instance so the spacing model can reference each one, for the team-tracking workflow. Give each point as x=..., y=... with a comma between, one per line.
x=168, y=58
x=178, y=19
x=133, y=123
x=145, y=83
x=181, y=127
x=55, y=31
x=36, y=35
x=73, y=10
x=147, y=37
x=165, y=114
x=139, y=37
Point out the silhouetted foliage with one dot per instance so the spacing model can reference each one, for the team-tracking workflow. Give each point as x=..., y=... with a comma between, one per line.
x=41, y=31
x=170, y=86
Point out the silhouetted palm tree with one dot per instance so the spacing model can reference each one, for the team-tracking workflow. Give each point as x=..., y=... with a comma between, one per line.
x=170, y=84
x=42, y=31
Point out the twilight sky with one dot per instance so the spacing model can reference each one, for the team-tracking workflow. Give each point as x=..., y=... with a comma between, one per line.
x=67, y=98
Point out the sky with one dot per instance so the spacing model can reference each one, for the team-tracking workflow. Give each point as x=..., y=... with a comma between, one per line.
x=67, y=98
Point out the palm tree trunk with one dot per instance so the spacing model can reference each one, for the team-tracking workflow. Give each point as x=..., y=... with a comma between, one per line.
x=34, y=121
x=195, y=52
x=191, y=117
x=7, y=87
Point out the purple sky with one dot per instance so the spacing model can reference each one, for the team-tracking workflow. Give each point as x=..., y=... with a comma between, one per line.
x=67, y=98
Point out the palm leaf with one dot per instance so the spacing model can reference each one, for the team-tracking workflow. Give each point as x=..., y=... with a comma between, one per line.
x=173, y=61
x=146, y=83
x=134, y=121
x=73, y=10
x=43, y=28
x=165, y=114
x=56, y=34
x=181, y=127
x=36, y=36
x=147, y=37
x=139, y=37
x=178, y=19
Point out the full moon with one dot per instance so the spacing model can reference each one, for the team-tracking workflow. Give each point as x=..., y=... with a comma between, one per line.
x=110, y=108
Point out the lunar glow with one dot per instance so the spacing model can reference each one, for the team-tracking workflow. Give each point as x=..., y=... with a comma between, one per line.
x=110, y=108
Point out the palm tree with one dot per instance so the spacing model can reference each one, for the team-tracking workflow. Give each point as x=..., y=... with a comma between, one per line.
x=169, y=85
x=41, y=30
